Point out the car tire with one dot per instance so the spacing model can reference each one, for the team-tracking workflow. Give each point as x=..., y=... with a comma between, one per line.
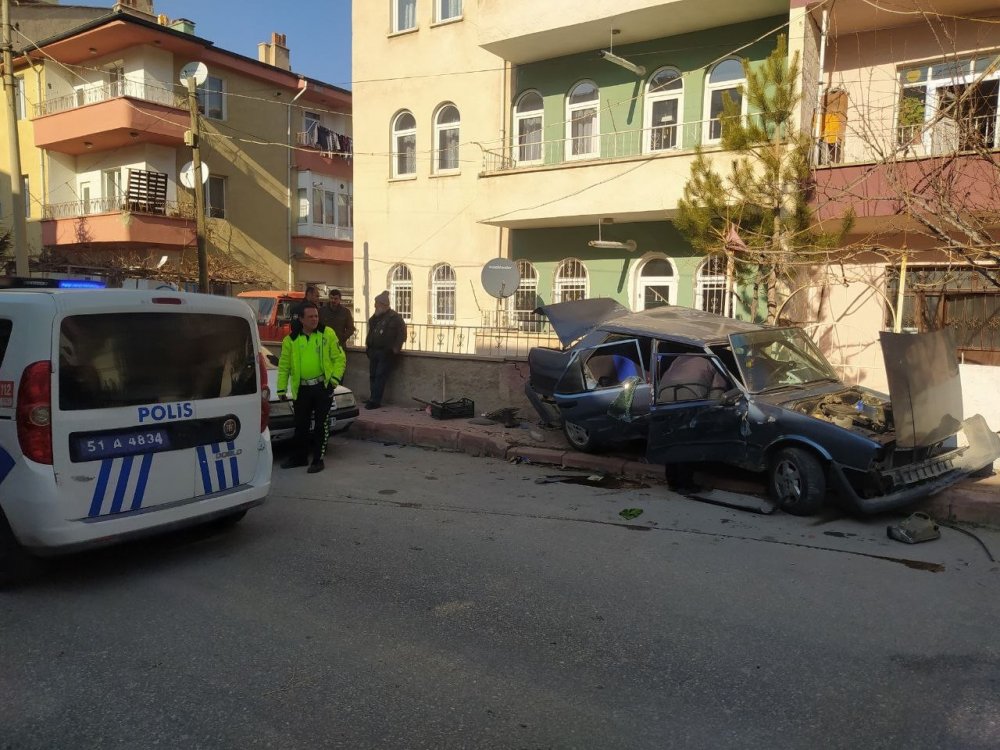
x=579, y=438
x=797, y=481
x=16, y=564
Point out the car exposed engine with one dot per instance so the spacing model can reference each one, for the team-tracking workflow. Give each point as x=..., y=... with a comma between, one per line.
x=849, y=408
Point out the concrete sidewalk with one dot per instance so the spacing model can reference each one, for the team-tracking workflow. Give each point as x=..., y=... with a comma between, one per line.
x=974, y=501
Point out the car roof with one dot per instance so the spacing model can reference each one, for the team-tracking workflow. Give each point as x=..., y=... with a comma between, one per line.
x=273, y=293
x=679, y=323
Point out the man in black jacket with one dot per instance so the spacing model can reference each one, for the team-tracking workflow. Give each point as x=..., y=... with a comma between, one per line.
x=386, y=336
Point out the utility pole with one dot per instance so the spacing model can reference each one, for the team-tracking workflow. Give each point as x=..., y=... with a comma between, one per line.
x=199, y=188
x=18, y=226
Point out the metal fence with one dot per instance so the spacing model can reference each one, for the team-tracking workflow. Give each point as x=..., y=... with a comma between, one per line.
x=75, y=209
x=114, y=90
x=483, y=341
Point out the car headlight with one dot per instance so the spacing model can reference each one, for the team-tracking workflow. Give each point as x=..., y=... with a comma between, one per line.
x=344, y=400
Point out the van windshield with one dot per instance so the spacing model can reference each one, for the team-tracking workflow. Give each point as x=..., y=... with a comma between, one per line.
x=125, y=359
x=262, y=307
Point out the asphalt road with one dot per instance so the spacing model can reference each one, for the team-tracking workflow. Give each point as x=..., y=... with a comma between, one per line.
x=416, y=599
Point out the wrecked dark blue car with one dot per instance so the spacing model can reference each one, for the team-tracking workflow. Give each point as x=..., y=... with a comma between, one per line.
x=699, y=387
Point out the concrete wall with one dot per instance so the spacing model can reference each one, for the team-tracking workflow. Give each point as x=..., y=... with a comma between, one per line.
x=491, y=383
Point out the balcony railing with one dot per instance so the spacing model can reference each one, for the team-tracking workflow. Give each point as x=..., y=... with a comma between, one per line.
x=115, y=90
x=75, y=209
x=483, y=341
x=325, y=231
x=662, y=140
x=940, y=137
x=326, y=142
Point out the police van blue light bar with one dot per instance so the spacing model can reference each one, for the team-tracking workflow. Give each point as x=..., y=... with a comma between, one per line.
x=80, y=284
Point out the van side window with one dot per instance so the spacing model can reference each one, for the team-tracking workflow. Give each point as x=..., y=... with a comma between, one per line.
x=6, y=327
x=114, y=360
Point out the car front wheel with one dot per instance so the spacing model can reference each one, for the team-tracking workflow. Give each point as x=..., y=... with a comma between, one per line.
x=579, y=437
x=798, y=482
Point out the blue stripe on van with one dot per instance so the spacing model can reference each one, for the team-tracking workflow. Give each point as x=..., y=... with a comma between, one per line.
x=220, y=467
x=123, y=475
x=234, y=465
x=140, y=488
x=6, y=464
x=100, y=488
x=206, y=478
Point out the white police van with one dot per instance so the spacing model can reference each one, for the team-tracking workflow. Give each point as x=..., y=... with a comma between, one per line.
x=124, y=413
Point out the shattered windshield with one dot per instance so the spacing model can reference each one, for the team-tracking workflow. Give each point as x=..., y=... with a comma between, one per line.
x=778, y=358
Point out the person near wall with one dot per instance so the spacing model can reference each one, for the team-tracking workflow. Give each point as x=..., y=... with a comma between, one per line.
x=312, y=364
x=338, y=317
x=386, y=336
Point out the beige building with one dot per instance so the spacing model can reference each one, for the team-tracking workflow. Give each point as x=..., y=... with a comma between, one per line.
x=104, y=123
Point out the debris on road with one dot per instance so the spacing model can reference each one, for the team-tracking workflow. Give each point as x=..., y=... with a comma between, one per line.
x=918, y=527
x=629, y=513
x=736, y=500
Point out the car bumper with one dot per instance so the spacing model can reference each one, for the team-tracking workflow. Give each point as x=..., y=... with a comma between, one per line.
x=982, y=450
x=282, y=425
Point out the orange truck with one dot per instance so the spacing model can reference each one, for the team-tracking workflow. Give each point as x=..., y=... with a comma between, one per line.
x=273, y=310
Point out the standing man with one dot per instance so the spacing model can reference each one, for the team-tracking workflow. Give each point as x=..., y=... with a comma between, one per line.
x=312, y=362
x=338, y=317
x=386, y=336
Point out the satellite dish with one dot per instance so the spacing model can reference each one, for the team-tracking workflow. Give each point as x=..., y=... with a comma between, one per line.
x=500, y=278
x=196, y=70
x=187, y=174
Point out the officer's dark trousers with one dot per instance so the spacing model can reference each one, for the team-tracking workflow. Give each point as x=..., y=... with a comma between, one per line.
x=381, y=363
x=312, y=406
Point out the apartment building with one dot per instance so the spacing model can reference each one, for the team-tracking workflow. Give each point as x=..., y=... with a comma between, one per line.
x=499, y=129
x=908, y=135
x=104, y=124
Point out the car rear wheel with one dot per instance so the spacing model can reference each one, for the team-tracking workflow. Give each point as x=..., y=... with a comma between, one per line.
x=798, y=482
x=16, y=565
x=579, y=437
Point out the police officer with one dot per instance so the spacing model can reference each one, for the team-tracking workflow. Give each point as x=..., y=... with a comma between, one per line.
x=312, y=362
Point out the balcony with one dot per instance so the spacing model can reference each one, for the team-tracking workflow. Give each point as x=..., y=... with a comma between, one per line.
x=523, y=31
x=112, y=116
x=325, y=152
x=119, y=223
x=324, y=243
x=633, y=175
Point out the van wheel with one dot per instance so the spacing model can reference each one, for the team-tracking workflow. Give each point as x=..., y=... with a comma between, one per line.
x=579, y=437
x=16, y=565
x=798, y=482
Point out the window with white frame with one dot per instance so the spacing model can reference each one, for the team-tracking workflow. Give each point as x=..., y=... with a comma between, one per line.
x=401, y=291
x=404, y=15
x=212, y=98
x=950, y=105
x=726, y=79
x=447, y=10
x=303, y=206
x=310, y=126
x=19, y=104
x=528, y=128
x=582, y=121
x=570, y=281
x=446, y=136
x=443, y=294
x=332, y=205
x=711, y=292
x=215, y=197
x=404, y=149
x=111, y=188
x=664, y=105
x=526, y=297
x=657, y=283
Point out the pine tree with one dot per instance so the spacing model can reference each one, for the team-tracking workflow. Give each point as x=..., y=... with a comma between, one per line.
x=758, y=215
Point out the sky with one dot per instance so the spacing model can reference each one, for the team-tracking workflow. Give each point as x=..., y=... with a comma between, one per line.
x=318, y=32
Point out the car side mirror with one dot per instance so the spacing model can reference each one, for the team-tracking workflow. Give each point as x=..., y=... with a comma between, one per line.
x=731, y=397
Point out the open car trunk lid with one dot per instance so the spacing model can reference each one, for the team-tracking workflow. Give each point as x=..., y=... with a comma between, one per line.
x=571, y=320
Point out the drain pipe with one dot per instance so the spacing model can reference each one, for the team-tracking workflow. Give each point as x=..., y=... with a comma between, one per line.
x=291, y=218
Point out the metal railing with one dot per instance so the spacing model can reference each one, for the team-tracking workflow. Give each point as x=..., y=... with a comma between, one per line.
x=324, y=231
x=308, y=139
x=75, y=209
x=874, y=141
x=482, y=341
x=659, y=140
x=115, y=90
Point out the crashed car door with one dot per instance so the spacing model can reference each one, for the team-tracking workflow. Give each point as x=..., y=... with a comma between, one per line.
x=697, y=412
x=604, y=390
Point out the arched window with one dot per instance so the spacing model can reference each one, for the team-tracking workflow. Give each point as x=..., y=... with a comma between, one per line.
x=404, y=145
x=446, y=127
x=664, y=105
x=526, y=296
x=711, y=292
x=570, y=281
x=443, y=294
x=725, y=78
x=583, y=125
x=657, y=283
x=401, y=291
x=528, y=128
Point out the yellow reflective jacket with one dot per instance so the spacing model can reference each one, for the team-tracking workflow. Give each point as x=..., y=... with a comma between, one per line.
x=296, y=346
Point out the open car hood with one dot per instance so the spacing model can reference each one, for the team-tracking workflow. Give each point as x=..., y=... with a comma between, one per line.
x=571, y=320
x=924, y=386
